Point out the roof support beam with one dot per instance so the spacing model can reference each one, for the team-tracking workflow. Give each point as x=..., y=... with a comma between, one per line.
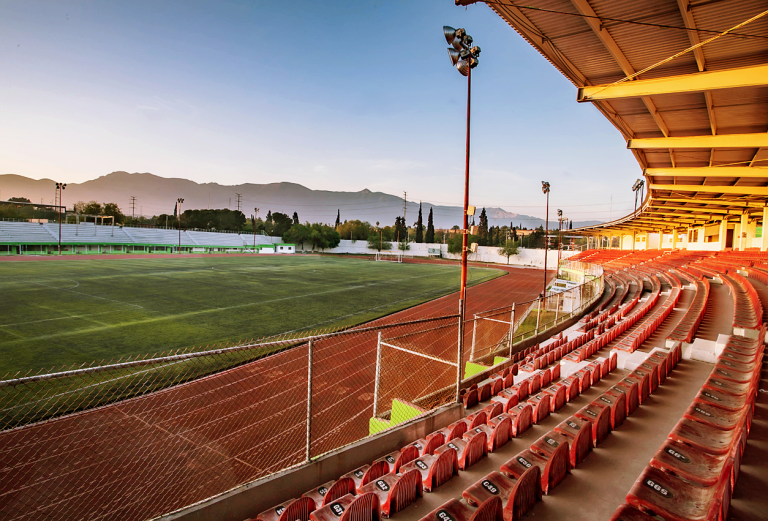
x=610, y=44
x=701, y=211
x=707, y=171
x=713, y=189
x=721, y=141
x=719, y=202
x=693, y=35
x=696, y=82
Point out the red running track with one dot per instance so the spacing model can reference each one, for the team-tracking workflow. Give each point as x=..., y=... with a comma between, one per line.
x=154, y=454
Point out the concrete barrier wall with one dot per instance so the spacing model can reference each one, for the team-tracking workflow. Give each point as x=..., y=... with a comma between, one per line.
x=526, y=257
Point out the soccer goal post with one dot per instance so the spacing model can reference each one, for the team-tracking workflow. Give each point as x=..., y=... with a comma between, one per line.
x=389, y=256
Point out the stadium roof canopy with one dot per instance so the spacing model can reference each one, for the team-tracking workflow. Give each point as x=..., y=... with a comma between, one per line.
x=697, y=124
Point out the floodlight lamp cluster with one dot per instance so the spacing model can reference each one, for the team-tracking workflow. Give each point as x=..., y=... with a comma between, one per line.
x=545, y=187
x=638, y=185
x=559, y=213
x=463, y=55
x=61, y=186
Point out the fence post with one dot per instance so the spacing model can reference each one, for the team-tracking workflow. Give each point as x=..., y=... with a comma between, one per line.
x=378, y=375
x=460, y=352
x=309, y=399
x=511, y=330
x=557, y=306
x=538, y=316
x=474, y=334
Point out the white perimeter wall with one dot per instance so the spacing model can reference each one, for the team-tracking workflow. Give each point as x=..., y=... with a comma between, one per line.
x=526, y=257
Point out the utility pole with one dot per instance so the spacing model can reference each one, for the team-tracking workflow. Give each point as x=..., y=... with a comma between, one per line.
x=133, y=207
x=239, y=199
x=255, y=215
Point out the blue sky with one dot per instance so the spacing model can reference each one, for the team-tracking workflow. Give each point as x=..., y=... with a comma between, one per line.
x=340, y=95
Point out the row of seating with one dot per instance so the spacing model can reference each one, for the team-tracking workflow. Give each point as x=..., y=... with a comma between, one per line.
x=692, y=475
x=650, y=321
x=510, y=493
x=689, y=324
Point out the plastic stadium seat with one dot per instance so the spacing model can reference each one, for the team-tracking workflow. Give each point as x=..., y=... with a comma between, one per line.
x=523, y=389
x=556, y=395
x=493, y=410
x=497, y=384
x=509, y=380
x=507, y=398
x=430, y=443
x=350, y=508
x=572, y=388
x=534, y=383
x=630, y=513
x=632, y=390
x=597, y=371
x=737, y=389
x=605, y=367
x=643, y=379
x=555, y=370
x=475, y=419
x=331, y=491
x=654, y=377
x=470, y=398
x=702, y=437
x=556, y=448
x=395, y=492
x=522, y=418
x=617, y=401
x=690, y=464
x=540, y=404
x=579, y=434
x=468, y=452
x=714, y=417
x=484, y=392
x=661, y=362
x=614, y=358
x=599, y=415
x=435, y=470
x=367, y=473
x=454, y=430
x=585, y=379
x=552, y=471
x=501, y=431
x=672, y=499
x=518, y=496
x=455, y=510
x=721, y=399
x=291, y=510
x=546, y=378
x=400, y=457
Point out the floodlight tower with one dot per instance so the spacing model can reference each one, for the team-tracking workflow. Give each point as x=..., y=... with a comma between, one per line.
x=464, y=56
x=60, y=187
x=637, y=187
x=559, y=235
x=545, y=190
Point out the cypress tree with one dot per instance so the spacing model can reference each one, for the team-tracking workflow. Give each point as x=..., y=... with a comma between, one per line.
x=430, y=238
x=419, y=227
x=483, y=229
x=295, y=218
x=338, y=218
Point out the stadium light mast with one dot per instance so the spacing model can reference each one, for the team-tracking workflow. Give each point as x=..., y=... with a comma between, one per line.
x=545, y=189
x=463, y=56
x=559, y=235
x=178, y=211
x=255, y=214
x=60, y=187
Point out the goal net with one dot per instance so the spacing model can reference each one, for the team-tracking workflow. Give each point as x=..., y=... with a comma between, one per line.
x=389, y=257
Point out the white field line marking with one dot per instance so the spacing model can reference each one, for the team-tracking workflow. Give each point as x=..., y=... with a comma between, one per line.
x=52, y=319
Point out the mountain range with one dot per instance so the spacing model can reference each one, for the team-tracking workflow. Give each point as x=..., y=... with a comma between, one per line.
x=156, y=195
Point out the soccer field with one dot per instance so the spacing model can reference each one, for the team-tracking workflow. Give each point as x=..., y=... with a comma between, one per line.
x=56, y=313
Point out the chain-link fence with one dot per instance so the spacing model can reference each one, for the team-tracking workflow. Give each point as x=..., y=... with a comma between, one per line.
x=139, y=438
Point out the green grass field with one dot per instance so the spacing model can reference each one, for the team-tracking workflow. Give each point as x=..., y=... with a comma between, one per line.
x=54, y=314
